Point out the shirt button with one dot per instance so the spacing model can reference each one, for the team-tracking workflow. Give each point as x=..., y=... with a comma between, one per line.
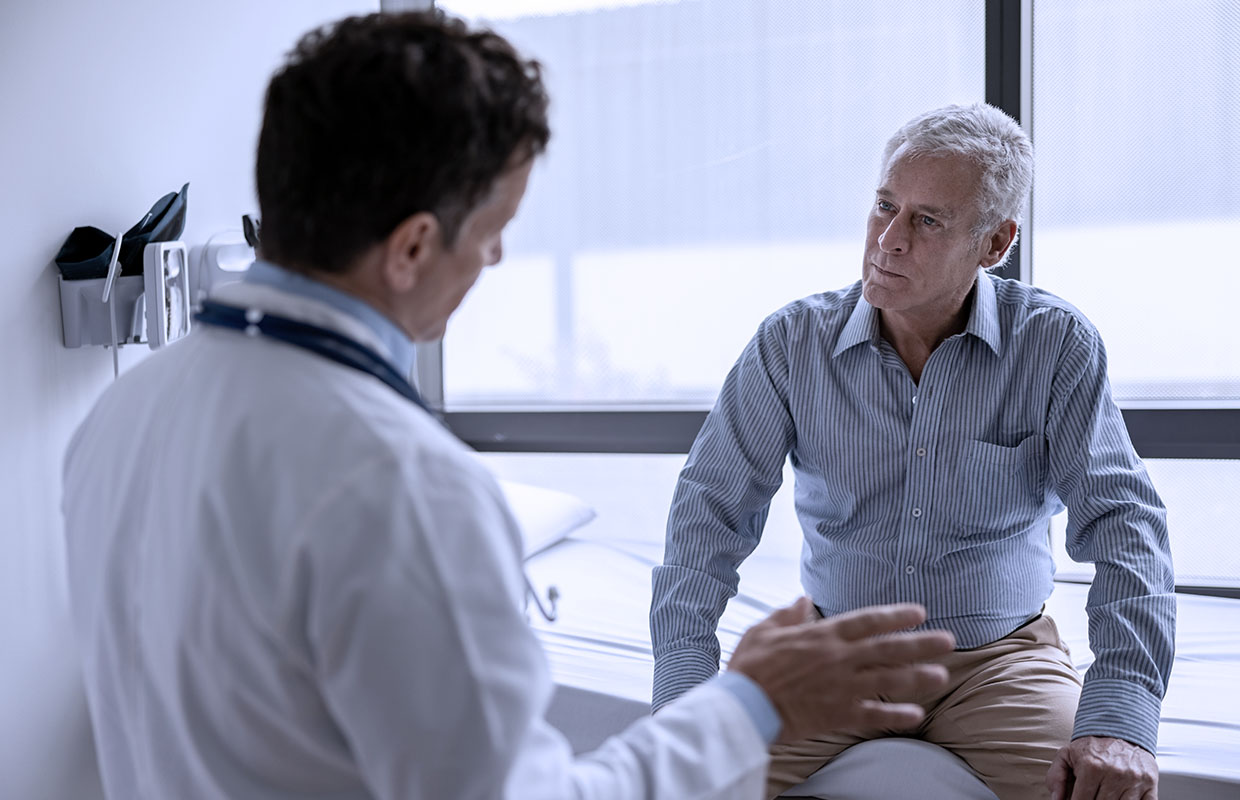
x=921, y=452
x=909, y=570
x=914, y=399
x=916, y=512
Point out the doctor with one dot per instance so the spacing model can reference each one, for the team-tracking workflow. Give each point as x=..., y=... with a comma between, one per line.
x=289, y=580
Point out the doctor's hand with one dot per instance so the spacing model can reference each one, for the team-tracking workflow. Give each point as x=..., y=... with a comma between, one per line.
x=827, y=674
x=1101, y=767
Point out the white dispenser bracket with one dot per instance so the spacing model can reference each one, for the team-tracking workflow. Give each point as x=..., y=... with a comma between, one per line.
x=157, y=301
x=165, y=274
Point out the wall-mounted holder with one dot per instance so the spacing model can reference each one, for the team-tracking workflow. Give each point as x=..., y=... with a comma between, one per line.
x=86, y=319
x=152, y=308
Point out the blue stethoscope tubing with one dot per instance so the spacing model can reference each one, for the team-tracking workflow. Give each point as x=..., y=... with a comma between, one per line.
x=343, y=350
x=323, y=341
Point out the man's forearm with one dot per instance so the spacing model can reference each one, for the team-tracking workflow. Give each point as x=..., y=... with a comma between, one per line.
x=733, y=469
x=1116, y=521
x=684, y=613
x=1134, y=641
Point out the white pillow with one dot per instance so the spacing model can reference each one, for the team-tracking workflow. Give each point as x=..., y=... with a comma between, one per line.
x=545, y=516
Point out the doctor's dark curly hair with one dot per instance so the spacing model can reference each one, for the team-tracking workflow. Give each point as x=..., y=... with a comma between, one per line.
x=375, y=118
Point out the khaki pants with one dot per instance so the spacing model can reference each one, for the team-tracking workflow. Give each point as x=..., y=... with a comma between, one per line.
x=1008, y=707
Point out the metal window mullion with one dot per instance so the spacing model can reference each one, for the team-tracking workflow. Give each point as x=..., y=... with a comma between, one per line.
x=1025, y=255
x=1009, y=86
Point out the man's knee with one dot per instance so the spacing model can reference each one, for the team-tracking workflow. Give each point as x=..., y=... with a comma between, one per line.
x=792, y=763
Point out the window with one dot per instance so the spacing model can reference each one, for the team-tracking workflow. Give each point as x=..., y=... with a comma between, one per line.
x=1136, y=205
x=710, y=162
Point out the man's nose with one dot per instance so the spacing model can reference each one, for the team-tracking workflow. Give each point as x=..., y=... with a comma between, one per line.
x=894, y=238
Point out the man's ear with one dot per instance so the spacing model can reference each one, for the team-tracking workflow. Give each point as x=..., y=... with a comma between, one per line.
x=997, y=243
x=410, y=249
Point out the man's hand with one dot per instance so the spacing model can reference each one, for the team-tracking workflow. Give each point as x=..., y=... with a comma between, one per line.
x=826, y=674
x=1103, y=768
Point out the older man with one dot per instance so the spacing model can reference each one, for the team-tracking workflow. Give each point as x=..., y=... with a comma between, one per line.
x=937, y=417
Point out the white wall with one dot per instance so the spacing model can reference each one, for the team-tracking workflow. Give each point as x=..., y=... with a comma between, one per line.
x=104, y=107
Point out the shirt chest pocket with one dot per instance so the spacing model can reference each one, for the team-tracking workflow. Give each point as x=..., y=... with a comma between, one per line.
x=999, y=491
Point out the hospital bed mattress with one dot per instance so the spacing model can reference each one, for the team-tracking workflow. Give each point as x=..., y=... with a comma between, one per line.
x=600, y=655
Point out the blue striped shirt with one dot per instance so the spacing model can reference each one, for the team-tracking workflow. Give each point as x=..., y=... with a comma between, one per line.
x=937, y=492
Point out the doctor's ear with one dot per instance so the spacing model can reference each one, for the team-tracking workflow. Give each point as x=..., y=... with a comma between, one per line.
x=409, y=249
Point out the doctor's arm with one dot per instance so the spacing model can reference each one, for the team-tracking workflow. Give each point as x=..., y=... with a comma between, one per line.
x=718, y=510
x=820, y=676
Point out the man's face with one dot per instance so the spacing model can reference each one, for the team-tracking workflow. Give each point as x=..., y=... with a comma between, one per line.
x=920, y=256
x=479, y=243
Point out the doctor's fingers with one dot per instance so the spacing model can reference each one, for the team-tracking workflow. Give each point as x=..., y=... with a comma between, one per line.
x=881, y=649
x=846, y=695
x=875, y=620
x=813, y=654
x=903, y=648
x=881, y=715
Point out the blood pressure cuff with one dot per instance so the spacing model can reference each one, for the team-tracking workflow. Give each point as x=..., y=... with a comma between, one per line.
x=87, y=252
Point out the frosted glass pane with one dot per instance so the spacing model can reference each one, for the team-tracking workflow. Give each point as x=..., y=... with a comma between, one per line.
x=710, y=162
x=1201, y=519
x=1136, y=204
x=515, y=302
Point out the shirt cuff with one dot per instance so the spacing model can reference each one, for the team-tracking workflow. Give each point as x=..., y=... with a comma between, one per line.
x=679, y=671
x=765, y=718
x=1120, y=710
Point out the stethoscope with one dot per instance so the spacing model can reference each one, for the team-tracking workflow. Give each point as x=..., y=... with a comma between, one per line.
x=343, y=350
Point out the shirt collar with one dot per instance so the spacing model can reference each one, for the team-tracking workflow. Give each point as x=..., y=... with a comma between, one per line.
x=984, y=318
x=399, y=346
x=862, y=325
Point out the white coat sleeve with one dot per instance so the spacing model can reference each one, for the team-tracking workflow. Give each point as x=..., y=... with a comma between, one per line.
x=703, y=746
x=410, y=577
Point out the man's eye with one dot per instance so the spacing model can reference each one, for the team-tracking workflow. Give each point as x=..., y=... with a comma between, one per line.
x=883, y=205
x=931, y=221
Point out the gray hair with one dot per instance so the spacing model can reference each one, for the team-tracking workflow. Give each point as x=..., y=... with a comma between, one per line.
x=990, y=139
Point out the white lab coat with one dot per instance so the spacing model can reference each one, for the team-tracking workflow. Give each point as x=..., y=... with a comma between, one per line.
x=290, y=581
